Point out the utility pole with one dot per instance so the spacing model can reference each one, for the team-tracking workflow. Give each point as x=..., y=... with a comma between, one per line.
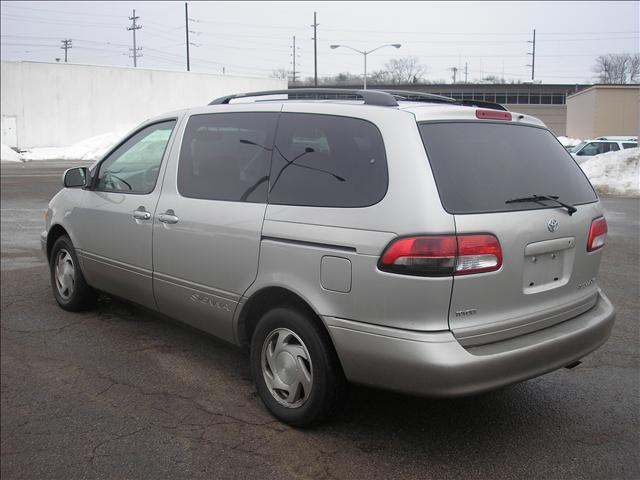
x=186, y=31
x=454, y=70
x=466, y=71
x=533, y=56
x=134, y=26
x=315, y=50
x=66, y=45
x=293, y=56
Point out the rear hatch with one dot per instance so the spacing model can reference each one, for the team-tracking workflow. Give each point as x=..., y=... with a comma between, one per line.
x=547, y=274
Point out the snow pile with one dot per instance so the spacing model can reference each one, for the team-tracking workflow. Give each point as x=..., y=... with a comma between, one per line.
x=569, y=142
x=9, y=155
x=89, y=149
x=615, y=173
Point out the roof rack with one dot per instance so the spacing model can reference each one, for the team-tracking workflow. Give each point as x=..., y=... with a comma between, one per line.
x=383, y=98
x=370, y=97
x=432, y=98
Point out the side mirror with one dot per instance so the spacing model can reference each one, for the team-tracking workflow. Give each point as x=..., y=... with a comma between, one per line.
x=76, y=177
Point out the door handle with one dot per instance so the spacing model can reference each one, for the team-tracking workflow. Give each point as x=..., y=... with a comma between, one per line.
x=168, y=217
x=141, y=214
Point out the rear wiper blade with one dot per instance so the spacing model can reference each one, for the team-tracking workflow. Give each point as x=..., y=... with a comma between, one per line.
x=537, y=198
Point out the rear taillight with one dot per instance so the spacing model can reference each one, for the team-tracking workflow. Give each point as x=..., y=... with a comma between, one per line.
x=442, y=255
x=597, y=234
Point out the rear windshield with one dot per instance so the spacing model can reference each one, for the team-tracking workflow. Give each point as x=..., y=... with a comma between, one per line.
x=478, y=166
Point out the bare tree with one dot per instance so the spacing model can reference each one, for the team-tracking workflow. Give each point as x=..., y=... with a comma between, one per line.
x=493, y=79
x=400, y=70
x=379, y=77
x=618, y=68
x=281, y=73
x=346, y=78
x=634, y=68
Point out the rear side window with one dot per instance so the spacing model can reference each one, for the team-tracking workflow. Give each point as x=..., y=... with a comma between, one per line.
x=478, y=166
x=327, y=161
x=609, y=147
x=629, y=145
x=226, y=156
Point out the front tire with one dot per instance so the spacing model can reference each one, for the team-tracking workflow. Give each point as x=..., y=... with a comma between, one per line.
x=70, y=289
x=295, y=368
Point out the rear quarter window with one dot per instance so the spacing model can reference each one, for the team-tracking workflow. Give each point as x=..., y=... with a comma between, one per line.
x=478, y=166
x=327, y=161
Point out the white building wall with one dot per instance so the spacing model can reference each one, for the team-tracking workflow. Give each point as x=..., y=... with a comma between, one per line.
x=58, y=104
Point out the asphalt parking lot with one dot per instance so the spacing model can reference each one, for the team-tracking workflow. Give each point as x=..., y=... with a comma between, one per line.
x=121, y=393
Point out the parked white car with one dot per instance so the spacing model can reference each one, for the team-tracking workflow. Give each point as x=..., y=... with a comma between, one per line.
x=589, y=148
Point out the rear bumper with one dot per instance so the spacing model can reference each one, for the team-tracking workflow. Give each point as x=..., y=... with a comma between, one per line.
x=435, y=364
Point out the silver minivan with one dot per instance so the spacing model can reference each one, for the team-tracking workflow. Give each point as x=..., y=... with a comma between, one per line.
x=403, y=241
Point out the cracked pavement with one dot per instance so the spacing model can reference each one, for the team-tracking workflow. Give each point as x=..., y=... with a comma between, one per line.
x=122, y=393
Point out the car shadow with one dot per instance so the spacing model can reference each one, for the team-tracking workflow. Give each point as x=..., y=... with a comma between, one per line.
x=381, y=420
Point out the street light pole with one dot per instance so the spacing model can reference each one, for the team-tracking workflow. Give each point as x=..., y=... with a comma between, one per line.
x=365, y=53
x=365, y=69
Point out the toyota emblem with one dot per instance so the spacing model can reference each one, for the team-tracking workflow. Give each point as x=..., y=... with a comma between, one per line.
x=552, y=225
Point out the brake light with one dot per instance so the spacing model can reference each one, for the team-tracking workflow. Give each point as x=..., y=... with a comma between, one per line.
x=442, y=255
x=597, y=234
x=493, y=115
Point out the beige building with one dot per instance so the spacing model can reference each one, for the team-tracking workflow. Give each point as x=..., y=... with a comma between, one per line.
x=604, y=110
x=553, y=116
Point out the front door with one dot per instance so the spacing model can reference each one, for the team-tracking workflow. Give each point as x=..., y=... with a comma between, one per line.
x=112, y=223
x=209, y=220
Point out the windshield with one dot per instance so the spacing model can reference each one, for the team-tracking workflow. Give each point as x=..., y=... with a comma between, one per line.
x=478, y=166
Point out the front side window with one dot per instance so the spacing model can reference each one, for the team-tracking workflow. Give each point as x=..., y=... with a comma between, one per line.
x=589, y=150
x=133, y=167
x=226, y=156
x=327, y=161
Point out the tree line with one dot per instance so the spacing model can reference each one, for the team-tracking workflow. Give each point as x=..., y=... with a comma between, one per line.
x=613, y=68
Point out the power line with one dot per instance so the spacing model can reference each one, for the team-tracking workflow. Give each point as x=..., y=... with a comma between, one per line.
x=45, y=21
x=134, y=26
x=109, y=55
x=498, y=42
x=289, y=27
x=60, y=11
x=235, y=47
x=387, y=32
x=30, y=37
x=179, y=58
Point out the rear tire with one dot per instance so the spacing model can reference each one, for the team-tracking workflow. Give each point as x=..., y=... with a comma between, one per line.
x=295, y=368
x=70, y=289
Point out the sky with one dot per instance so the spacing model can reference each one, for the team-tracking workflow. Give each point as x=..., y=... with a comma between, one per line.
x=255, y=38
